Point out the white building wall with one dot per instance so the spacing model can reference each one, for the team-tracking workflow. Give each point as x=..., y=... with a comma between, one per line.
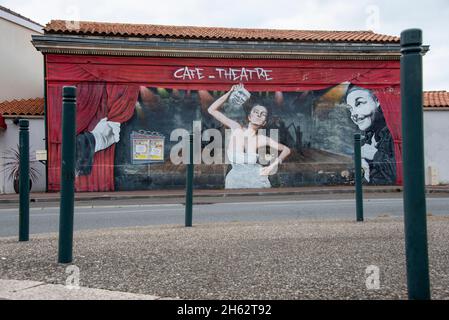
x=436, y=146
x=10, y=138
x=21, y=66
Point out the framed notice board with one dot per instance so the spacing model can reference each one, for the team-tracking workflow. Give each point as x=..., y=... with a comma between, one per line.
x=147, y=147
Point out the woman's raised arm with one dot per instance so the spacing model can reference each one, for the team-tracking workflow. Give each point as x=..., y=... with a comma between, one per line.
x=217, y=114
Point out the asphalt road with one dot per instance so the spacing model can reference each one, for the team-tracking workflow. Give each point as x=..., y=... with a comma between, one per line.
x=44, y=218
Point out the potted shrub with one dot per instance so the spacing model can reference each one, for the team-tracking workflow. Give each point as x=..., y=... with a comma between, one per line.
x=11, y=166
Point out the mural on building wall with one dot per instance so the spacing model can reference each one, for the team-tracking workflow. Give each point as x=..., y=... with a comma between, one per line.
x=258, y=127
x=314, y=135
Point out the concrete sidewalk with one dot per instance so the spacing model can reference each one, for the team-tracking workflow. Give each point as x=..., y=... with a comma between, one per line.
x=34, y=290
x=170, y=194
x=161, y=194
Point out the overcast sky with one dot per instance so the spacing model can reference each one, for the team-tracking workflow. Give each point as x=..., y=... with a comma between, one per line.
x=382, y=16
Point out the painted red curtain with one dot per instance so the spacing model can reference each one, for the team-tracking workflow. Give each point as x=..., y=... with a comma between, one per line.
x=109, y=86
x=3, y=125
x=390, y=102
x=94, y=101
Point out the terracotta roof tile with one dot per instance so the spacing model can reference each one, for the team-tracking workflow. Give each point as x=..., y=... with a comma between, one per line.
x=436, y=99
x=30, y=107
x=211, y=33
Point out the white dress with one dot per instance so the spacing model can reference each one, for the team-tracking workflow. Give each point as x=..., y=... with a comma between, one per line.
x=245, y=172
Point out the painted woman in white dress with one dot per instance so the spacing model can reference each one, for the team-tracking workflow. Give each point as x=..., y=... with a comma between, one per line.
x=244, y=143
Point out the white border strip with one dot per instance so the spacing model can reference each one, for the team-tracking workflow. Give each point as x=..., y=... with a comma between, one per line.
x=21, y=22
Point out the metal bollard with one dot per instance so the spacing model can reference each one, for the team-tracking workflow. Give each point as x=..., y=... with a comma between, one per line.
x=358, y=177
x=24, y=180
x=67, y=175
x=189, y=185
x=413, y=164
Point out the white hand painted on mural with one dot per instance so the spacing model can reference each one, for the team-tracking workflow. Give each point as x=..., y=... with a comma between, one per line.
x=106, y=133
x=269, y=170
x=365, y=167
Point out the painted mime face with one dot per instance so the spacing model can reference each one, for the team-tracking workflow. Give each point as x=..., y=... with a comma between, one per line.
x=363, y=107
x=258, y=116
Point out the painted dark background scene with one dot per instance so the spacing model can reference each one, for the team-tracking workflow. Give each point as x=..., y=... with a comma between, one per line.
x=315, y=125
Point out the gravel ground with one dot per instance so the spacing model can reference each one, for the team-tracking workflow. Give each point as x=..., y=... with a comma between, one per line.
x=300, y=259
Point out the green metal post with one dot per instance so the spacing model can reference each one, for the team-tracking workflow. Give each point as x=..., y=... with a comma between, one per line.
x=358, y=177
x=67, y=175
x=24, y=180
x=189, y=184
x=413, y=166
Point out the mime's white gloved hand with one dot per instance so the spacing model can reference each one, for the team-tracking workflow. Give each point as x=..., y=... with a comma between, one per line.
x=365, y=167
x=106, y=133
